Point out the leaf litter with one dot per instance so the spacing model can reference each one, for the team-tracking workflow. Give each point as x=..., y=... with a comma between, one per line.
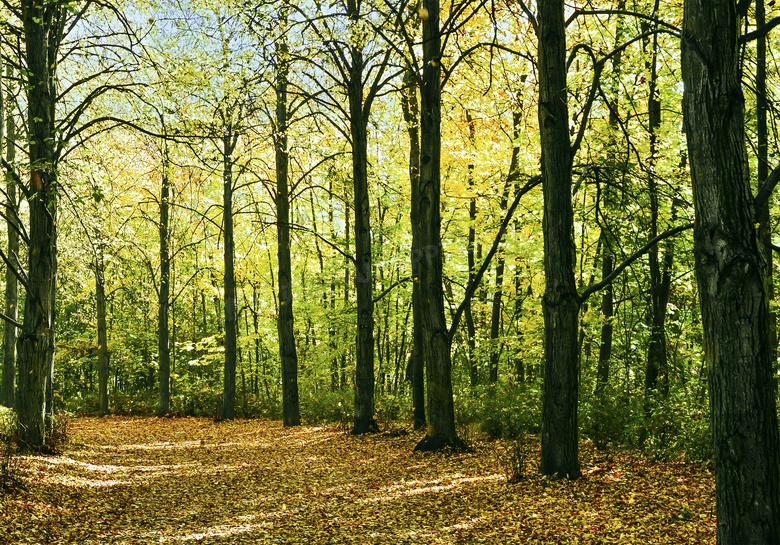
x=190, y=480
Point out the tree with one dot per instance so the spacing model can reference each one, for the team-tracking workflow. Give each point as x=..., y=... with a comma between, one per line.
x=8, y=394
x=287, y=350
x=734, y=301
x=436, y=339
x=561, y=301
x=416, y=373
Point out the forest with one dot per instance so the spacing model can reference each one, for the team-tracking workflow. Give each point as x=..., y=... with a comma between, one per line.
x=548, y=224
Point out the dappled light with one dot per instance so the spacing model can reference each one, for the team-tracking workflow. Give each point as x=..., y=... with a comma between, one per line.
x=188, y=480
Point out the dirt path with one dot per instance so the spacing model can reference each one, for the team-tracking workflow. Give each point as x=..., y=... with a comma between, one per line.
x=148, y=480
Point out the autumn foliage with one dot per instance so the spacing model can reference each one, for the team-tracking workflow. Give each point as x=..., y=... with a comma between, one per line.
x=149, y=480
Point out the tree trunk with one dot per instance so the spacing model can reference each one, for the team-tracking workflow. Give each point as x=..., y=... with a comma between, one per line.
x=560, y=445
x=660, y=279
x=416, y=360
x=229, y=383
x=164, y=294
x=734, y=302
x=285, y=323
x=103, y=354
x=364, y=360
x=437, y=347
x=607, y=313
x=34, y=345
x=11, y=283
x=762, y=170
x=468, y=312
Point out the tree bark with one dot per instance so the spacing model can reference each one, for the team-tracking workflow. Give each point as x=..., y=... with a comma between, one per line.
x=364, y=347
x=734, y=302
x=35, y=349
x=411, y=110
x=660, y=279
x=285, y=323
x=103, y=353
x=438, y=359
x=560, y=445
x=762, y=170
x=470, y=250
x=11, y=283
x=164, y=295
x=229, y=382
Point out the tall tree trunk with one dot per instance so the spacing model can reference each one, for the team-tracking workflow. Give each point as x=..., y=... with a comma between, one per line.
x=560, y=445
x=11, y=283
x=335, y=383
x=164, y=293
x=103, y=353
x=468, y=311
x=734, y=302
x=498, y=292
x=42, y=31
x=437, y=346
x=229, y=383
x=364, y=360
x=416, y=360
x=607, y=313
x=609, y=203
x=762, y=170
x=285, y=324
x=660, y=279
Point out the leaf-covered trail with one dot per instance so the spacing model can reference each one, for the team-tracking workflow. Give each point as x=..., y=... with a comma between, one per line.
x=148, y=480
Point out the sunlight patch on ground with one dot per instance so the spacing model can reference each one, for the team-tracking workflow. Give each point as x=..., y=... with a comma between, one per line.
x=412, y=488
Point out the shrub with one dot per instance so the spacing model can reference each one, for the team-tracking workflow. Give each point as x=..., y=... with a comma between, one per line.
x=505, y=410
x=679, y=427
x=609, y=416
x=393, y=408
x=511, y=458
x=11, y=463
x=325, y=406
x=57, y=440
x=142, y=403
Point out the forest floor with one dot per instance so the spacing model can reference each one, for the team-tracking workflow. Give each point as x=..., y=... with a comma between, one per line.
x=181, y=480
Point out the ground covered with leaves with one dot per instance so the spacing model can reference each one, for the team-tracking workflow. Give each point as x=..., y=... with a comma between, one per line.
x=148, y=480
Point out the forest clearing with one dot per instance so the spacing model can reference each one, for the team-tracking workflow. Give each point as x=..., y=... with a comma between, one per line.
x=181, y=480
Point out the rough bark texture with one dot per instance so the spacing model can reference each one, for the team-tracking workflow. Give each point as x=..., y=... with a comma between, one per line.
x=660, y=278
x=102, y=331
x=164, y=294
x=468, y=313
x=285, y=324
x=364, y=346
x=734, y=305
x=438, y=359
x=560, y=445
x=229, y=382
x=762, y=170
x=35, y=349
x=417, y=361
x=8, y=395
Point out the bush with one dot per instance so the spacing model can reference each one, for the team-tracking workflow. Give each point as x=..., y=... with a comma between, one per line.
x=138, y=404
x=511, y=458
x=393, y=408
x=609, y=417
x=57, y=440
x=326, y=407
x=679, y=427
x=11, y=463
x=505, y=410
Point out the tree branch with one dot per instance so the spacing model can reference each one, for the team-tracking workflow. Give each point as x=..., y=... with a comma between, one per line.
x=391, y=287
x=759, y=32
x=636, y=255
x=766, y=189
x=472, y=287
